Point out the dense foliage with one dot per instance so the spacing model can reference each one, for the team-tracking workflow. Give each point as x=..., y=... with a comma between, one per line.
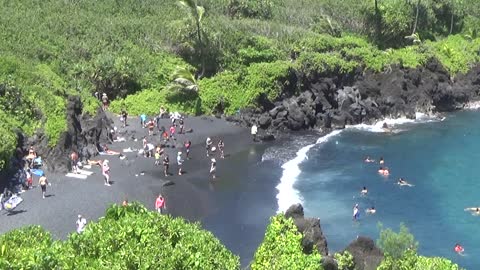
x=241, y=52
x=400, y=251
x=282, y=249
x=396, y=244
x=411, y=261
x=128, y=237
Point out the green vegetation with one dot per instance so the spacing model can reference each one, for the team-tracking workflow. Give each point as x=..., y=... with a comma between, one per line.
x=396, y=244
x=344, y=260
x=241, y=53
x=282, y=249
x=400, y=251
x=128, y=237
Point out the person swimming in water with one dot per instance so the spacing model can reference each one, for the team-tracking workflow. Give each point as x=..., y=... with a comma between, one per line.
x=371, y=210
x=474, y=210
x=381, y=161
x=364, y=191
x=369, y=160
x=402, y=182
x=356, y=212
x=383, y=171
x=458, y=249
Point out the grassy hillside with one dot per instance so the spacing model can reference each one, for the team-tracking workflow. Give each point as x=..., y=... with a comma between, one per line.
x=241, y=51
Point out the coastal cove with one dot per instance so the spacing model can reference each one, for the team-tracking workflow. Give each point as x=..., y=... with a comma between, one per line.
x=437, y=157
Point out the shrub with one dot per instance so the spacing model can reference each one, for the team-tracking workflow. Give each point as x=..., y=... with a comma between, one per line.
x=410, y=260
x=282, y=249
x=395, y=244
x=250, y=8
x=344, y=260
x=128, y=237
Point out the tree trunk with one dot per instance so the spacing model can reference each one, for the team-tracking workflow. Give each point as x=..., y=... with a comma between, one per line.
x=202, y=56
x=451, y=24
x=378, y=22
x=416, y=18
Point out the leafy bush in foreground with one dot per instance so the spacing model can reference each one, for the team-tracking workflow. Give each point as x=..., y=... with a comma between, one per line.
x=282, y=249
x=395, y=244
x=411, y=261
x=128, y=237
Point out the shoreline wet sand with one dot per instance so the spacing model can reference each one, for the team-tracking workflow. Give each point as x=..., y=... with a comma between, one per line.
x=235, y=207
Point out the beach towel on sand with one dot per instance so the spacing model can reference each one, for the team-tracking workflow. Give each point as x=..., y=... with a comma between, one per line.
x=37, y=172
x=76, y=175
x=106, y=154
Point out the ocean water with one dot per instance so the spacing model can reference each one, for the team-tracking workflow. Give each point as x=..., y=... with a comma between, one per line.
x=440, y=158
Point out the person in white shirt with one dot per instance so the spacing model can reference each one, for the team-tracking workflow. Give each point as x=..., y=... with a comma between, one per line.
x=254, y=132
x=81, y=223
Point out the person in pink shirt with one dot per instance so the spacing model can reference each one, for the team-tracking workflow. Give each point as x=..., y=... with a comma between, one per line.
x=106, y=172
x=172, y=132
x=160, y=204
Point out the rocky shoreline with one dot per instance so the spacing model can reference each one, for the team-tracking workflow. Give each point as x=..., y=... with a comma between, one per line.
x=328, y=101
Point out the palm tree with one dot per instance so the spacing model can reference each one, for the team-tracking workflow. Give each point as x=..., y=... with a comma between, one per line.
x=183, y=80
x=196, y=12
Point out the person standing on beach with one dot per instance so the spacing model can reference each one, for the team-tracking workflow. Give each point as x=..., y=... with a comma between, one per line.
x=43, y=182
x=208, y=145
x=105, y=101
x=124, y=117
x=181, y=125
x=151, y=126
x=213, y=168
x=172, y=132
x=254, y=132
x=160, y=204
x=143, y=120
x=81, y=223
x=166, y=164
x=187, y=145
x=74, y=161
x=179, y=162
x=221, y=146
x=106, y=172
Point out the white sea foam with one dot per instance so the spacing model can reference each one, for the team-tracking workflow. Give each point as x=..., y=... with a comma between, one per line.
x=473, y=105
x=287, y=194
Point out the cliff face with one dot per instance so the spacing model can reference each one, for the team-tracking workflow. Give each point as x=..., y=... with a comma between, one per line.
x=84, y=134
x=330, y=101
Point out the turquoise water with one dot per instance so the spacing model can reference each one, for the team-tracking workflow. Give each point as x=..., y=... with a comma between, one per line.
x=442, y=160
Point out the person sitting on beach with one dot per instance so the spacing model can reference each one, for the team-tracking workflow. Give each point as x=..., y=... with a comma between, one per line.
x=368, y=160
x=474, y=210
x=148, y=150
x=108, y=151
x=371, y=210
x=402, y=182
x=364, y=191
x=125, y=203
x=32, y=155
x=383, y=171
x=458, y=249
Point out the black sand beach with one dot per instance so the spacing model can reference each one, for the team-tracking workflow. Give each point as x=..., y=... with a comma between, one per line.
x=235, y=207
